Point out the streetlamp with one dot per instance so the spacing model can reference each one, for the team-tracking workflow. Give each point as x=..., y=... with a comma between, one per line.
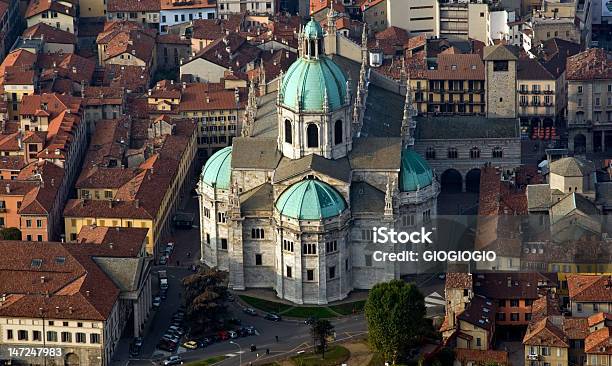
x=239, y=351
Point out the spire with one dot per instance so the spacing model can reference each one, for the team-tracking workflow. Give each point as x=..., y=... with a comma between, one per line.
x=234, y=201
x=279, y=92
x=347, y=97
x=250, y=111
x=331, y=18
x=364, y=43
x=389, y=199
x=408, y=123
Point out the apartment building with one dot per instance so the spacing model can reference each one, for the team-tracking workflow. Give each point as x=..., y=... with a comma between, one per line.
x=9, y=25
x=452, y=85
x=217, y=108
x=232, y=52
x=415, y=16
x=465, y=20
x=175, y=12
x=598, y=347
x=72, y=301
x=129, y=182
x=589, y=294
x=102, y=102
x=127, y=44
x=58, y=14
x=547, y=28
x=145, y=12
x=19, y=63
x=375, y=14
x=261, y=7
x=589, y=116
x=31, y=201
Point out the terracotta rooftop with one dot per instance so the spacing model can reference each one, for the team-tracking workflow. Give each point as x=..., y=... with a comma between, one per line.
x=589, y=288
x=66, y=66
x=126, y=241
x=210, y=96
x=319, y=5
x=133, y=6
x=127, y=77
x=545, y=333
x=230, y=51
x=481, y=357
x=599, y=318
x=479, y=312
x=458, y=280
x=49, y=34
x=591, y=64
x=38, y=6
x=187, y=4
x=511, y=285
x=599, y=342
x=452, y=66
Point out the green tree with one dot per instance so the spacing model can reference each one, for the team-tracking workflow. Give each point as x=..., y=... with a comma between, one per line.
x=204, y=294
x=395, y=312
x=10, y=233
x=320, y=330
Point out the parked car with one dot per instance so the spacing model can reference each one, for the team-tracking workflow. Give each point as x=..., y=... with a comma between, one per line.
x=232, y=334
x=163, y=294
x=156, y=301
x=190, y=344
x=250, y=329
x=310, y=320
x=173, y=360
x=273, y=317
x=165, y=345
x=204, y=342
x=163, y=260
x=170, y=246
x=250, y=311
x=223, y=335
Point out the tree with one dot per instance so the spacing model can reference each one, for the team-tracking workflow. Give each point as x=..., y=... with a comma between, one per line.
x=395, y=312
x=10, y=233
x=205, y=292
x=320, y=330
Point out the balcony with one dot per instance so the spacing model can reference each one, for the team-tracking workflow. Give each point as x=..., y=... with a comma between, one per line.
x=549, y=92
x=535, y=91
x=532, y=357
x=2, y=209
x=523, y=91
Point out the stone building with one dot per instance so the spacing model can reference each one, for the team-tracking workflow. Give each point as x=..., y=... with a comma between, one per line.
x=589, y=109
x=500, y=81
x=292, y=203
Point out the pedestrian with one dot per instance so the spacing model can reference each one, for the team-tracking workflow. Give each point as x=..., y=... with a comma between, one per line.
x=276, y=339
x=188, y=254
x=178, y=263
x=267, y=351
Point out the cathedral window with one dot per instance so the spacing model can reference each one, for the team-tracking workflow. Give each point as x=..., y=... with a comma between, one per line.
x=452, y=153
x=257, y=233
x=332, y=272
x=430, y=153
x=310, y=275
x=309, y=249
x=287, y=245
x=498, y=153
x=338, y=132
x=331, y=246
x=221, y=217
x=312, y=133
x=475, y=153
x=288, y=132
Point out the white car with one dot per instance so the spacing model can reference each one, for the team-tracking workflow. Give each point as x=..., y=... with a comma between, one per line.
x=173, y=360
x=156, y=301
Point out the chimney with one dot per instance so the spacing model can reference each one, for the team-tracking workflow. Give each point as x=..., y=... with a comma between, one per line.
x=57, y=309
x=87, y=293
x=42, y=279
x=70, y=310
x=110, y=203
x=110, y=245
x=74, y=70
x=8, y=188
x=137, y=203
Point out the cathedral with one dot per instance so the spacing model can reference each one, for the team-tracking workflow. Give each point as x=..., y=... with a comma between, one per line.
x=290, y=206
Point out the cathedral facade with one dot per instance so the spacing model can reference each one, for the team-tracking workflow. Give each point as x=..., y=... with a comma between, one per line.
x=291, y=205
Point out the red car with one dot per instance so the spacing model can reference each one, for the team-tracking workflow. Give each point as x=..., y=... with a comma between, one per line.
x=223, y=335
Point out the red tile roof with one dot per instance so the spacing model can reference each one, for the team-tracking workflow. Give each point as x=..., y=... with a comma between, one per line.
x=210, y=96
x=599, y=342
x=38, y=6
x=481, y=357
x=545, y=333
x=61, y=279
x=49, y=34
x=319, y=5
x=452, y=66
x=590, y=288
x=187, y=4
x=599, y=318
x=231, y=51
x=591, y=64
x=133, y=6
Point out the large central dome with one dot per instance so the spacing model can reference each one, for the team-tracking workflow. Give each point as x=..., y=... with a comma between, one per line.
x=309, y=78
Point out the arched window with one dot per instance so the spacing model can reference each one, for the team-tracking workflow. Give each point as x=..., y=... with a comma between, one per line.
x=338, y=132
x=452, y=153
x=498, y=153
x=475, y=153
x=430, y=153
x=288, y=132
x=312, y=133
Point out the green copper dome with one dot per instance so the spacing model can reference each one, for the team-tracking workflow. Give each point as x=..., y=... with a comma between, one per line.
x=310, y=200
x=313, y=30
x=415, y=172
x=217, y=170
x=307, y=80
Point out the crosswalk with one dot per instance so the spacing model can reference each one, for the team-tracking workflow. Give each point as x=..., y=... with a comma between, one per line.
x=434, y=299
